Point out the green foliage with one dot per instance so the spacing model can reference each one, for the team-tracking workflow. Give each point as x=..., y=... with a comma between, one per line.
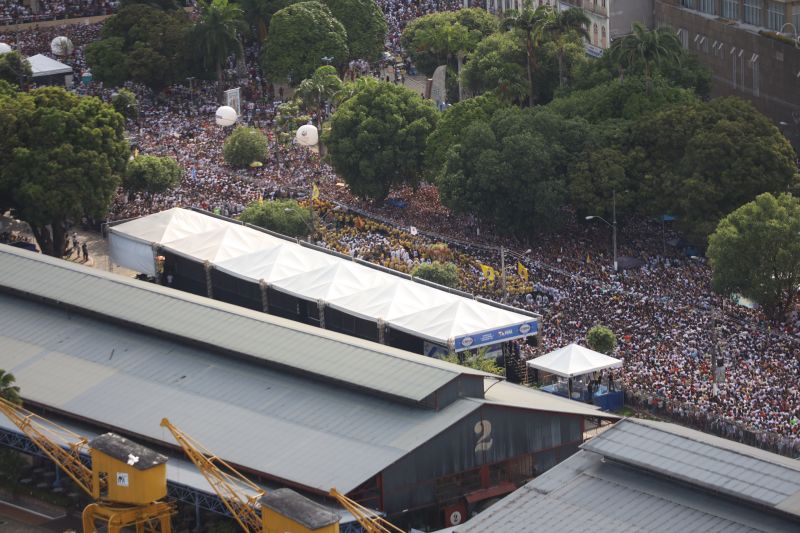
x=702, y=160
x=14, y=68
x=244, y=146
x=319, y=88
x=9, y=391
x=755, y=252
x=650, y=48
x=476, y=361
x=442, y=273
x=451, y=124
x=601, y=339
x=218, y=33
x=152, y=174
x=435, y=39
x=125, y=104
x=377, y=137
x=532, y=27
x=62, y=159
x=286, y=217
x=154, y=49
x=497, y=65
x=300, y=35
x=164, y=5
x=513, y=169
x=365, y=25
x=289, y=118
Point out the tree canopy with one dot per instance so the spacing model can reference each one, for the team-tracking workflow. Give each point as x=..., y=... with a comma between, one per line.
x=219, y=32
x=318, y=89
x=377, y=137
x=14, y=68
x=286, y=217
x=152, y=174
x=601, y=339
x=62, y=159
x=125, y=104
x=8, y=390
x=300, y=35
x=244, y=146
x=755, y=252
x=365, y=25
x=442, y=273
x=497, y=65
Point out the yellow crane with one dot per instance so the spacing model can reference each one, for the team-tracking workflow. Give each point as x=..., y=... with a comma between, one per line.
x=242, y=497
x=127, y=498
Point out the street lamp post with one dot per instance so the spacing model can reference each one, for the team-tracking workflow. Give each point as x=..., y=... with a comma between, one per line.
x=612, y=225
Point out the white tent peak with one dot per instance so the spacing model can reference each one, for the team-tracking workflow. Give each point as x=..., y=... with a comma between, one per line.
x=574, y=360
x=41, y=65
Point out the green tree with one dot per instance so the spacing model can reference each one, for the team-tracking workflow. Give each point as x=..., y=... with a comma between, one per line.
x=62, y=159
x=219, y=30
x=124, y=102
x=476, y=361
x=653, y=48
x=601, y=339
x=566, y=25
x=365, y=25
x=497, y=65
x=377, y=138
x=286, y=217
x=451, y=124
x=702, y=160
x=244, y=146
x=755, y=252
x=318, y=89
x=532, y=25
x=14, y=68
x=108, y=60
x=442, y=273
x=299, y=37
x=513, y=169
x=9, y=391
x=152, y=174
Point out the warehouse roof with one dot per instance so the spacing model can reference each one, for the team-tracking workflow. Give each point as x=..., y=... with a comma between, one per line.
x=123, y=450
x=713, y=463
x=423, y=311
x=590, y=491
x=506, y=393
x=273, y=340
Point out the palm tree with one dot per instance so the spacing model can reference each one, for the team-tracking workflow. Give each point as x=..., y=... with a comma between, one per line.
x=532, y=24
x=9, y=391
x=219, y=30
x=319, y=88
x=650, y=47
x=565, y=23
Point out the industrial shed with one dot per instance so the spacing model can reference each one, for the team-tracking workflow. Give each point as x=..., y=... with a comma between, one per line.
x=642, y=475
x=291, y=405
x=253, y=268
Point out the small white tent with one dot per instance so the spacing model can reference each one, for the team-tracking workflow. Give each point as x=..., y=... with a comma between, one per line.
x=574, y=360
x=42, y=65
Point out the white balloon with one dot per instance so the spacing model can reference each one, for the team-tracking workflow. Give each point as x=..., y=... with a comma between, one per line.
x=61, y=46
x=226, y=116
x=307, y=135
x=4, y=48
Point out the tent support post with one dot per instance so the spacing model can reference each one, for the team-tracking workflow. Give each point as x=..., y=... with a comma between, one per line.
x=262, y=285
x=321, y=307
x=209, y=287
x=381, y=331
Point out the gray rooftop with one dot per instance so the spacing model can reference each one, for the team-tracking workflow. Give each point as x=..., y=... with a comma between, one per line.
x=713, y=463
x=272, y=340
x=290, y=504
x=127, y=451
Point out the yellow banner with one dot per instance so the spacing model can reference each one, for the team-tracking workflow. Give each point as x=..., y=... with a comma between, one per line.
x=522, y=271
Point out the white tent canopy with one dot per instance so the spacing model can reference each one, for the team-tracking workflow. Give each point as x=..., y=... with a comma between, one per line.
x=574, y=360
x=352, y=288
x=42, y=65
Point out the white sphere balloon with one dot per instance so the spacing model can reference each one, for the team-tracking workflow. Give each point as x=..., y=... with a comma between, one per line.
x=226, y=116
x=307, y=135
x=4, y=48
x=61, y=46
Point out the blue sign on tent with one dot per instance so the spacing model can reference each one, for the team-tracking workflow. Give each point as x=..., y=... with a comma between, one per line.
x=494, y=336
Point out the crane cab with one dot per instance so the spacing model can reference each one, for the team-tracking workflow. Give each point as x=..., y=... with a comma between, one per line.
x=285, y=511
x=133, y=474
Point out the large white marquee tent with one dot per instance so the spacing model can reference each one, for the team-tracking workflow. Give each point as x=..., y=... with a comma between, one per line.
x=345, y=285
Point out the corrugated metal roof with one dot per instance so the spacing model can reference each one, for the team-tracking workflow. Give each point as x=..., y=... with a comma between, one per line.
x=311, y=433
x=519, y=396
x=307, y=349
x=710, y=462
x=584, y=492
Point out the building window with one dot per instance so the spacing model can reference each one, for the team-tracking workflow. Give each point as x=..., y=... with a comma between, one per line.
x=688, y=3
x=730, y=9
x=603, y=36
x=756, y=80
x=683, y=35
x=752, y=12
x=733, y=66
x=796, y=18
x=706, y=6
x=776, y=16
x=594, y=40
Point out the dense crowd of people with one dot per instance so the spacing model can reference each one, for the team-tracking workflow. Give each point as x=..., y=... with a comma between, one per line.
x=16, y=11
x=668, y=321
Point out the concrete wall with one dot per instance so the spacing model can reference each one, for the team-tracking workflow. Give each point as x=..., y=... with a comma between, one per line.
x=623, y=13
x=777, y=68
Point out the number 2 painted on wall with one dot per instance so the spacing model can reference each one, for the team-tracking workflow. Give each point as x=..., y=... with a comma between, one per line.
x=484, y=429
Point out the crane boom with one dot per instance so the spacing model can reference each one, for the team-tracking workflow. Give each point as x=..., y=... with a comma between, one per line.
x=238, y=493
x=59, y=444
x=371, y=522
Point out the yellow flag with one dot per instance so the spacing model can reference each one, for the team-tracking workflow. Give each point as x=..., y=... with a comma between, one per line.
x=488, y=272
x=135, y=153
x=260, y=199
x=522, y=271
x=314, y=192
